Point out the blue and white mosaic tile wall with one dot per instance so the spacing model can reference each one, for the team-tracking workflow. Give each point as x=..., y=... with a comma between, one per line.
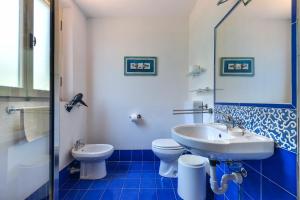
x=279, y=124
x=274, y=178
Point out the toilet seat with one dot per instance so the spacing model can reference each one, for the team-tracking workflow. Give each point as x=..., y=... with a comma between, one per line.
x=168, y=144
x=168, y=151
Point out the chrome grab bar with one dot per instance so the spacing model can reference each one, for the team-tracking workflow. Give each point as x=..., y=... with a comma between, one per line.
x=192, y=111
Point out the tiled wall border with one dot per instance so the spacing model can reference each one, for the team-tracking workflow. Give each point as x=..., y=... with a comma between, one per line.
x=274, y=176
x=117, y=156
x=133, y=155
x=277, y=123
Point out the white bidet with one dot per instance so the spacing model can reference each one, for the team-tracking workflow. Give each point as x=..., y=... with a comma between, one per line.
x=92, y=160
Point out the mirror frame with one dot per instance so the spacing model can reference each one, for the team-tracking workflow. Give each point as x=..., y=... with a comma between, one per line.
x=293, y=103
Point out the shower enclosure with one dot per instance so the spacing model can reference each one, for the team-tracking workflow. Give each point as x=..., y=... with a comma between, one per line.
x=27, y=142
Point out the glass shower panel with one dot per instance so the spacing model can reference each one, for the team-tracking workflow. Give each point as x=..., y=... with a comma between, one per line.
x=25, y=138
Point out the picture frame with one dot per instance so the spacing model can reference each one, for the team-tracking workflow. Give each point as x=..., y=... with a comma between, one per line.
x=140, y=66
x=237, y=66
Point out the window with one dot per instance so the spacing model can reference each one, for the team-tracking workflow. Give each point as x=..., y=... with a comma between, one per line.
x=25, y=48
x=41, y=51
x=10, y=44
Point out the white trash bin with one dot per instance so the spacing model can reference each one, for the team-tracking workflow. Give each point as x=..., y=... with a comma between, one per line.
x=192, y=177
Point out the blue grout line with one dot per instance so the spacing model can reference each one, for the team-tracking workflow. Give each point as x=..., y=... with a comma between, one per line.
x=141, y=171
x=278, y=185
x=125, y=172
x=267, y=179
x=244, y=191
x=260, y=177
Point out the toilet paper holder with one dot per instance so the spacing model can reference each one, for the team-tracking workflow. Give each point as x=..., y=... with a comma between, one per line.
x=135, y=117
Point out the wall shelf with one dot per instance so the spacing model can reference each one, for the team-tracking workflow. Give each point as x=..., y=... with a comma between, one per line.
x=204, y=90
x=197, y=70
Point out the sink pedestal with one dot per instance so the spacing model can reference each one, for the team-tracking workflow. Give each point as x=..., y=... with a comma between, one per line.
x=92, y=170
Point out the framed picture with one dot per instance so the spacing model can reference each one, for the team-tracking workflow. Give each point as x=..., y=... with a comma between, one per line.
x=237, y=66
x=140, y=66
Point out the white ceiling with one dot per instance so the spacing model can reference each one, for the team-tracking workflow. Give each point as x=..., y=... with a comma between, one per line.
x=136, y=8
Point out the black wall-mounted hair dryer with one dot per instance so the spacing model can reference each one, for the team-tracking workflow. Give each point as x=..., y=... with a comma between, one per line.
x=77, y=99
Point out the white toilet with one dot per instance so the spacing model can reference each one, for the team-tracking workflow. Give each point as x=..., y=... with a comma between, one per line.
x=168, y=151
x=92, y=160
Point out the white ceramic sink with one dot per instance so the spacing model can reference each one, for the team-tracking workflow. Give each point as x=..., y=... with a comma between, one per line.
x=215, y=142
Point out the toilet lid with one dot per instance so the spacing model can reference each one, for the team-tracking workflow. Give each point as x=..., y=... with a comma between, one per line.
x=166, y=144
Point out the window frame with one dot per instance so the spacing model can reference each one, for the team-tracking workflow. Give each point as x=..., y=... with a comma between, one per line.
x=26, y=53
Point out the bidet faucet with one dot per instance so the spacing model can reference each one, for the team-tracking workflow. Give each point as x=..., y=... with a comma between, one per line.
x=78, y=144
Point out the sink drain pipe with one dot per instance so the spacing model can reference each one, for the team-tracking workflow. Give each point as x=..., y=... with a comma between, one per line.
x=236, y=177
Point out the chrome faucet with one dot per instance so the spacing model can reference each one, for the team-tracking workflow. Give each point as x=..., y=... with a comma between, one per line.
x=78, y=144
x=228, y=120
x=242, y=127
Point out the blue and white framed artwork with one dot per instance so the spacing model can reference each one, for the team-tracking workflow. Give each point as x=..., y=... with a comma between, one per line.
x=140, y=66
x=237, y=66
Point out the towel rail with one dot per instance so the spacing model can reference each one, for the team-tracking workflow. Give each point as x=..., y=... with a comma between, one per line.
x=12, y=109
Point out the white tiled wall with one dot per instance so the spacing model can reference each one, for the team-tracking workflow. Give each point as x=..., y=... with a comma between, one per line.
x=20, y=160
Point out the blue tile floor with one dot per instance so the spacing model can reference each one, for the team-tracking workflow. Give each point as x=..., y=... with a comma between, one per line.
x=124, y=180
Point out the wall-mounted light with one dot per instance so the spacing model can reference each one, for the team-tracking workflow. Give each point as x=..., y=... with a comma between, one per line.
x=221, y=2
x=245, y=2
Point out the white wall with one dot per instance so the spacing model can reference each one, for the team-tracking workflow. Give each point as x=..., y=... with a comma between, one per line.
x=113, y=96
x=72, y=128
x=73, y=72
x=74, y=51
x=202, y=21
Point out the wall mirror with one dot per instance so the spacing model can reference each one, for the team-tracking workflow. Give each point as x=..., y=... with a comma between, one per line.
x=255, y=54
